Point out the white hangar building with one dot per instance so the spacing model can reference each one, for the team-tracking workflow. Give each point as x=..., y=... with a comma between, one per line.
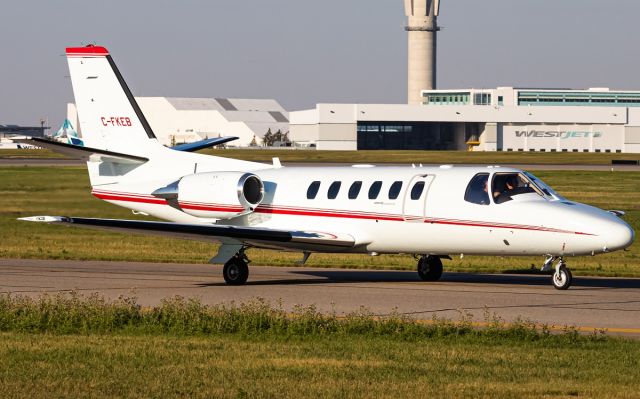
x=502, y=119
x=182, y=120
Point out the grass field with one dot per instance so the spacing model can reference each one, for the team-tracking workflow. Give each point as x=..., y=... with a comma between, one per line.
x=83, y=347
x=27, y=191
x=390, y=156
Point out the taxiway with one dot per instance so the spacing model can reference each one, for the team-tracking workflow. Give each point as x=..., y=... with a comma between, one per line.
x=591, y=303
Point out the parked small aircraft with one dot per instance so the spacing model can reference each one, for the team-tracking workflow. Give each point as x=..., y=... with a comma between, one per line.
x=431, y=212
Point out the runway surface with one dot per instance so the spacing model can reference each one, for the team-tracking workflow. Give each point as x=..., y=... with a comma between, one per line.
x=603, y=303
x=75, y=162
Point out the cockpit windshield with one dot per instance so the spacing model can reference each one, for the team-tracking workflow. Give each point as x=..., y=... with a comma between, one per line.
x=545, y=188
x=505, y=186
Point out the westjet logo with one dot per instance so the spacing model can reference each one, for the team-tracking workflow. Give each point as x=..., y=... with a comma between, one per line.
x=561, y=134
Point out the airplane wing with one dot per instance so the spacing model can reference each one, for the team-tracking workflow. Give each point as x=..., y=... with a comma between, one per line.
x=76, y=151
x=199, y=145
x=257, y=236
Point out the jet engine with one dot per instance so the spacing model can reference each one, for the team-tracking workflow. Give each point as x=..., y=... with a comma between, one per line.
x=216, y=195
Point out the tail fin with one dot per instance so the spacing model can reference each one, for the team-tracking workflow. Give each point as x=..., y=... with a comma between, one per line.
x=110, y=119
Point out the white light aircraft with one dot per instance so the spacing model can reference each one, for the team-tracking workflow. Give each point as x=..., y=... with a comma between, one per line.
x=430, y=212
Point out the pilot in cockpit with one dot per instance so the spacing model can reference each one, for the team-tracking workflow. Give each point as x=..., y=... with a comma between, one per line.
x=506, y=186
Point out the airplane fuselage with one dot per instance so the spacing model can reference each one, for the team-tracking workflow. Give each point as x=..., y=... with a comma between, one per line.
x=377, y=207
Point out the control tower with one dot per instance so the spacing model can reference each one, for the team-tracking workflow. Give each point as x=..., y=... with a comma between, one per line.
x=422, y=28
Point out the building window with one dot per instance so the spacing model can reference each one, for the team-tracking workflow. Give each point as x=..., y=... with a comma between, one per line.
x=312, y=191
x=482, y=99
x=334, y=189
x=374, y=190
x=354, y=190
x=394, y=190
x=500, y=100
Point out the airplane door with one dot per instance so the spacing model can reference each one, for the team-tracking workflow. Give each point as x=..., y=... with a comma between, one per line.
x=415, y=198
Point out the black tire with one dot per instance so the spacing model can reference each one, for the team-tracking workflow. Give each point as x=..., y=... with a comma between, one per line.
x=235, y=271
x=563, y=279
x=430, y=268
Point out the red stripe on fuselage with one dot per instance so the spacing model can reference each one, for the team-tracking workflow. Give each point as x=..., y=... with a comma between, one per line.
x=120, y=197
x=270, y=209
x=211, y=208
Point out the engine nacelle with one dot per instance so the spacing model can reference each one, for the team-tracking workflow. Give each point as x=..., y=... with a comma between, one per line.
x=220, y=195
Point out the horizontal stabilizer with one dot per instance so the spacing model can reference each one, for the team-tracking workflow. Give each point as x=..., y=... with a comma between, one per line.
x=76, y=151
x=203, y=231
x=202, y=144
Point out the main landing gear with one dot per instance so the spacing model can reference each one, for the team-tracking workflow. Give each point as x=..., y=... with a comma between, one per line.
x=429, y=268
x=561, y=278
x=236, y=270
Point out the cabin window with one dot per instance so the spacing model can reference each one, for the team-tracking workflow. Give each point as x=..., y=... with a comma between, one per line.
x=334, y=188
x=507, y=185
x=394, y=190
x=312, y=191
x=354, y=190
x=478, y=190
x=416, y=191
x=374, y=190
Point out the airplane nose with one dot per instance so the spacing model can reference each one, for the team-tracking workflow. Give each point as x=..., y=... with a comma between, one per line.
x=619, y=235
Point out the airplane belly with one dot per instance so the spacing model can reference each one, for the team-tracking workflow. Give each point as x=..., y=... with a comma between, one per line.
x=443, y=239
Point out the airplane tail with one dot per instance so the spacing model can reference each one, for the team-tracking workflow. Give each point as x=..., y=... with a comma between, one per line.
x=110, y=118
x=114, y=128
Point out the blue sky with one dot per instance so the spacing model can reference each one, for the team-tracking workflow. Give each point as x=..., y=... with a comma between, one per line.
x=303, y=52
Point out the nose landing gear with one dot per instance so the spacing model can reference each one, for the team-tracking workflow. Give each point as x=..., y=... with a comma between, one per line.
x=562, y=277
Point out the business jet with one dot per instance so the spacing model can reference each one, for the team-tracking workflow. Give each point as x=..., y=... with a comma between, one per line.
x=429, y=212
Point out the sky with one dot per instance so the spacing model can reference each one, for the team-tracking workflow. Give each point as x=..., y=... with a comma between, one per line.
x=303, y=52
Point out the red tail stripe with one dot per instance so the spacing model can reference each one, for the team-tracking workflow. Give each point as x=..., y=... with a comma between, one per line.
x=91, y=51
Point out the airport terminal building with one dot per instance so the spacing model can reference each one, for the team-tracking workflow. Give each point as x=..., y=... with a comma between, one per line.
x=502, y=119
x=182, y=120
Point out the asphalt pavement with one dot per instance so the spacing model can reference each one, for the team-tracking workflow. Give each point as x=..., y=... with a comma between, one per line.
x=591, y=303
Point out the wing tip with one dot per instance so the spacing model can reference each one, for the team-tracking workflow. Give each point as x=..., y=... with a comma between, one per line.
x=44, y=219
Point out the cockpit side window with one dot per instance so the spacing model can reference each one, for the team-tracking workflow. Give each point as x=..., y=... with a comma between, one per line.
x=478, y=190
x=506, y=185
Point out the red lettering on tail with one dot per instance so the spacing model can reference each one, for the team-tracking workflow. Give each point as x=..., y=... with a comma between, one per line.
x=115, y=121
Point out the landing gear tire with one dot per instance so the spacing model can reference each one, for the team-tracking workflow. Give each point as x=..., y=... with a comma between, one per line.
x=235, y=271
x=430, y=268
x=561, y=278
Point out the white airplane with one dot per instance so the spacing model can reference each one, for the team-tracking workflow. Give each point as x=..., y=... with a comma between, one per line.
x=430, y=212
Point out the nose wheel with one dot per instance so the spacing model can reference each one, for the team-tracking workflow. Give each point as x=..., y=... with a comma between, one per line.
x=562, y=277
x=429, y=268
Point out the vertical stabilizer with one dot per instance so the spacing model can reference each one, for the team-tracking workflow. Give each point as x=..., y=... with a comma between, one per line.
x=110, y=119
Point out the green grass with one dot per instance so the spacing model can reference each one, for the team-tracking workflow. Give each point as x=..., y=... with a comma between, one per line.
x=236, y=367
x=28, y=153
x=388, y=156
x=71, y=346
x=28, y=191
